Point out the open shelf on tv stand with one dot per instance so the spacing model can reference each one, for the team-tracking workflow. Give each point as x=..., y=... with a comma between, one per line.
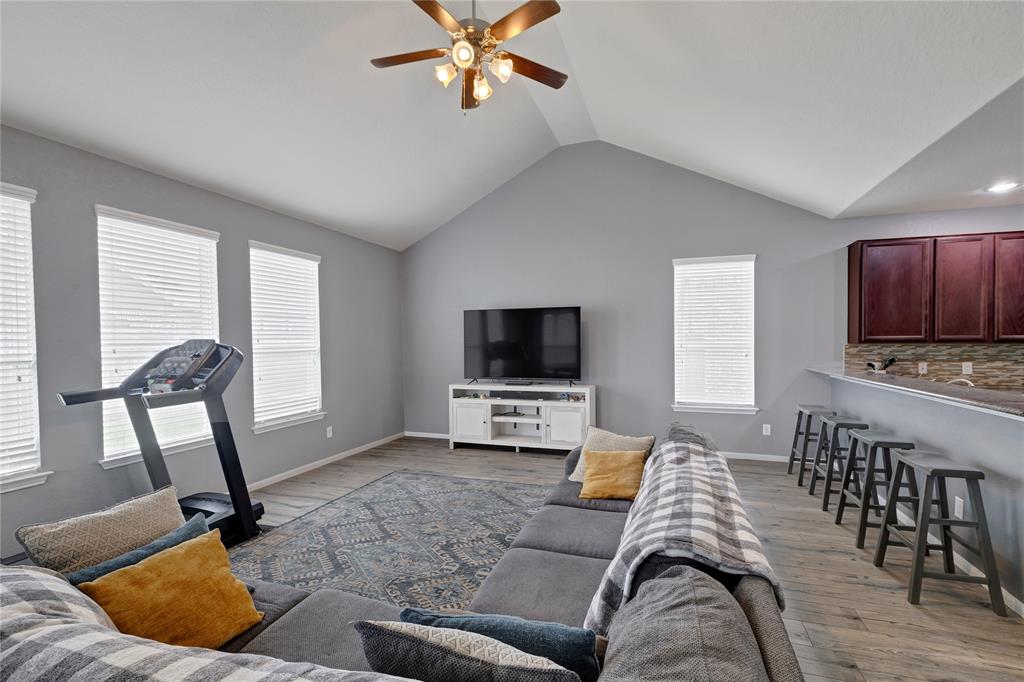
x=536, y=415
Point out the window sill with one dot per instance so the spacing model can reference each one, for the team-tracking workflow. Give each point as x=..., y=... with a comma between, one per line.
x=285, y=422
x=133, y=457
x=715, y=409
x=19, y=480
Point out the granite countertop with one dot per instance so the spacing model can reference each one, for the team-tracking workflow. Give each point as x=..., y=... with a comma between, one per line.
x=1006, y=402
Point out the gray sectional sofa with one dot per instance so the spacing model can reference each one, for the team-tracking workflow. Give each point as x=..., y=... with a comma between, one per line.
x=550, y=573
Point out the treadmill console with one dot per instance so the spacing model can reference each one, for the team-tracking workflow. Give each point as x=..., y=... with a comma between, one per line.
x=185, y=366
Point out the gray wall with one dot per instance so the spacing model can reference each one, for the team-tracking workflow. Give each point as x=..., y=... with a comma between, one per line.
x=359, y=317
x=984, y=441
x=598, y=226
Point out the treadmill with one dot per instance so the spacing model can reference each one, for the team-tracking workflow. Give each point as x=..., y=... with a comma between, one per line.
x=199, y=369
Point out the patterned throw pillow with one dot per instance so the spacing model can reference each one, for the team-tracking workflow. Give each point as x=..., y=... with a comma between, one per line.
x=431, y=654
x=606, y=441
x=195, y=527
x=91, y=539
x=569, y=647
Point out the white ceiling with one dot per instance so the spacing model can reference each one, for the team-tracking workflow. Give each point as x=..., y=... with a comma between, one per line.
x=842, y=108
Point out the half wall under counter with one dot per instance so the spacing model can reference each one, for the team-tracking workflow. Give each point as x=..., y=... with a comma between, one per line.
x=977, y=427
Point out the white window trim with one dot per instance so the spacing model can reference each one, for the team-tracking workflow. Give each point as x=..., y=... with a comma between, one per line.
x=253, y=244
x=120, y=214
x=127, y=458
x=721, y=408
x=285, y=422
x=26, y=478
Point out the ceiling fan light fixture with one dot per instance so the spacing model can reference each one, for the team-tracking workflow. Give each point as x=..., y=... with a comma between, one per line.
x=463, y=54
x=481, y=88
x=446, y=73
x=502, y=68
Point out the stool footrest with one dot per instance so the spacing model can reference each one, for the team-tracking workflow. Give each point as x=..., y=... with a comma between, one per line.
x=958, y=577
x=953, y=522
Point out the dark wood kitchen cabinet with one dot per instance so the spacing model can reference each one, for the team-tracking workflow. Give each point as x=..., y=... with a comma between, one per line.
x=1009, y=286
x=894, y=278
x=966, y=288
x=963, y=288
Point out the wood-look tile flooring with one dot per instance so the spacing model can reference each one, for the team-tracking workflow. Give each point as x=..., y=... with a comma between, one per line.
x=847, y=619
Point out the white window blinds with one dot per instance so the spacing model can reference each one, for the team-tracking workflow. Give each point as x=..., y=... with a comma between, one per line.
x=158, y=288
x=714, y=332
x=19, y=403
x=285, y=334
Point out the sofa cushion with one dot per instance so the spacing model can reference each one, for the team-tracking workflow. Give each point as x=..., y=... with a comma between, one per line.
x=317, y=630
x=539, y=585
x=90, y=539
x=756, y=597
x=273, y=600
x=567, y=494
x=682, y=625
x=570, y=530
x=421, y=652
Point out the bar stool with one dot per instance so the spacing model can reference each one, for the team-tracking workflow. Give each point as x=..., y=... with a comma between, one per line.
x=865, y=447
x=936, y=469
x=831, y=454
x=805, y=415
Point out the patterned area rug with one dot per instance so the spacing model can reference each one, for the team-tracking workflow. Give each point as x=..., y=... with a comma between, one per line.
x=407, y=538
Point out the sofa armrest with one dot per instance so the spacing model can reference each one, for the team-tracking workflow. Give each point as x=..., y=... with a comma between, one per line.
x=757, y=599
x=571, y=460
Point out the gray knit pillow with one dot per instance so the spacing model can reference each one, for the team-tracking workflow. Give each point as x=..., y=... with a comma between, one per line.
x=606, y=441
x=430, y=654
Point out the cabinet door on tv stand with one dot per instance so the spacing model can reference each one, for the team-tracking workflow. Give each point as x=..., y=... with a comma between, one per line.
x=471, y=421
x=565, y=425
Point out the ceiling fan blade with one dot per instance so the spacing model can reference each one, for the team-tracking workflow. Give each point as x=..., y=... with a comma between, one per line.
x=468, y=101
x=538, y=72
x=440, y=15
x=523, y=17
x=396, y=59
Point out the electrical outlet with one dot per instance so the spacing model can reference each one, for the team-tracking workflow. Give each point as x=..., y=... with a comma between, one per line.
x=967, y=367
x=958, y=507
x=766, y=429
x=330, y=432
x=922, y=368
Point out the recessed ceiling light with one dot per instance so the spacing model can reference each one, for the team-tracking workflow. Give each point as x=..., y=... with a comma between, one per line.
x=1003, y=187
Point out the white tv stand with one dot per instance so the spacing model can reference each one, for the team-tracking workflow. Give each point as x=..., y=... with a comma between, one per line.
x=551, y=416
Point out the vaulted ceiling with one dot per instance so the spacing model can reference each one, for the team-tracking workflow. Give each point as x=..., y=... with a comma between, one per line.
x=841, y=108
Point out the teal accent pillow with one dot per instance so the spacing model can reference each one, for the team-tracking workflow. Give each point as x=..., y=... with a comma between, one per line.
x=192, y=528
x=572, y=648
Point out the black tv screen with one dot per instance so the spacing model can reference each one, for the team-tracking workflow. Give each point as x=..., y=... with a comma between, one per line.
x=522, y=343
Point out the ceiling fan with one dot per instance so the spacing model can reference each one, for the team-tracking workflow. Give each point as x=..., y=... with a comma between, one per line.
x=476, y=44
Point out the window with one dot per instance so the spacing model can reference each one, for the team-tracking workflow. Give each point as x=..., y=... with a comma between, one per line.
x=285, y=336
x=158, y=287
x=19, y=392
x=714, y=334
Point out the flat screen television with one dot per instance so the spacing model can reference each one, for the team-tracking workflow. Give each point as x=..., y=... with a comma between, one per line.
x=523, y=343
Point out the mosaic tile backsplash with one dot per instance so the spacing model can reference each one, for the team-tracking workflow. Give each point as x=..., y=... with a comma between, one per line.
x=996, y=365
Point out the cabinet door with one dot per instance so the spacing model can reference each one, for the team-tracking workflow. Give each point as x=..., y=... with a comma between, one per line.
x=1009, y=286
x=565, y=425
x=896, y=290
x=471, y=421
x=963, y=288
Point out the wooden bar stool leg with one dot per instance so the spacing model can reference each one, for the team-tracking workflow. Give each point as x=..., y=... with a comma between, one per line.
x=995, y=592
x=887, y=472
x=803, y=451
x=847, y=474
x=867, y=497
x=890, y=516
x=796, y=440
x=944, y=531
x=830, y=465
x=823, y=441
x=921, y=542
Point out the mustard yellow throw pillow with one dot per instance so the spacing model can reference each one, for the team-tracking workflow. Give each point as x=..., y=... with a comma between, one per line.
x=612, y=475
x=185, y=595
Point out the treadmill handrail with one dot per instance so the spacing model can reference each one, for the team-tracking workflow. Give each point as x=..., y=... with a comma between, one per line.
x=157, y=400
x=90, y=396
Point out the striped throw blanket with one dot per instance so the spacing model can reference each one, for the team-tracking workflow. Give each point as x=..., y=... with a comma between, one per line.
x=688, y=507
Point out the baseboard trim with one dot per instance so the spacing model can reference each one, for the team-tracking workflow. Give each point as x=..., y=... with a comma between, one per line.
x=277, y=478
x=426, y=434
x=755, y=457
x=961, y=562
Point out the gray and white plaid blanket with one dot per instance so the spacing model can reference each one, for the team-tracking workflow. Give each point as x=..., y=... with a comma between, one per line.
x=688, y=506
